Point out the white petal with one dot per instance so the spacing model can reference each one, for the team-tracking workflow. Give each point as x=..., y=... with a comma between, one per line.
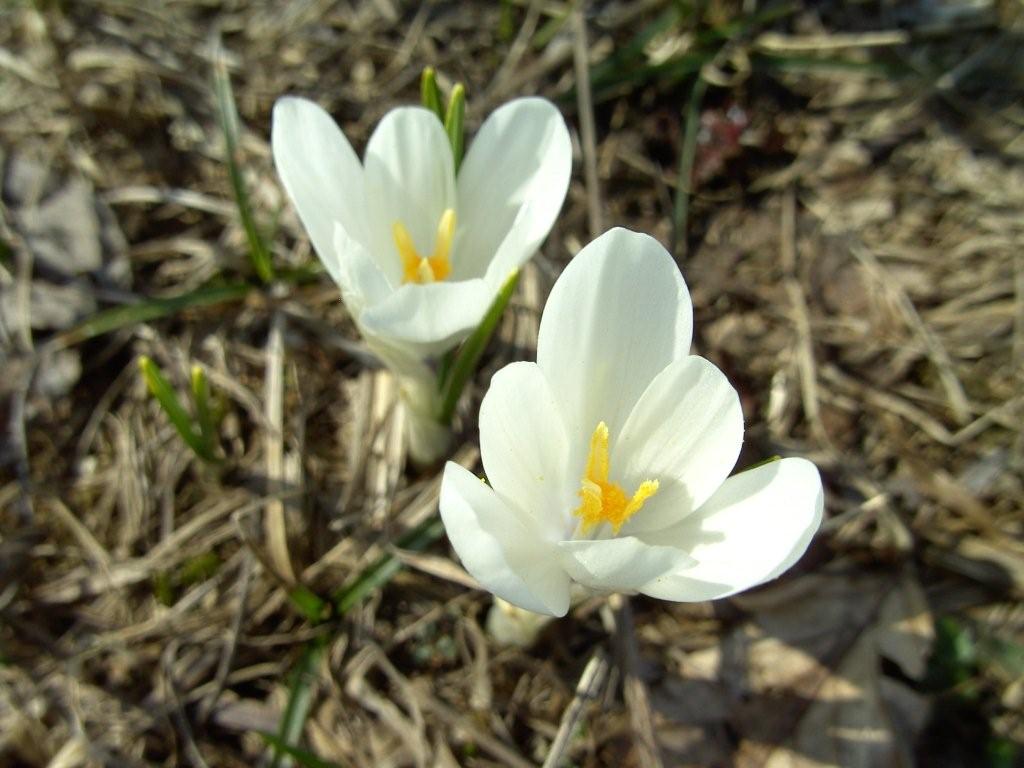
x=521, y=156
x=356, y=273
x=619, y=564
x=498, y=547
x=402, y=360
x=685, y=432
x=524, y=447
x=752, y=529
x=429, y=318
x=320, y=172
x=617, y=316
x=410, y=178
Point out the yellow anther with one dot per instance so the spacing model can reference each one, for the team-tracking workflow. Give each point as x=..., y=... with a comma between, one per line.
x=426, y=269
x=604, y=501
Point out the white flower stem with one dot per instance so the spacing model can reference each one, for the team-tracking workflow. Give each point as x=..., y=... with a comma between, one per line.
x=511, y=625
x=429, y=439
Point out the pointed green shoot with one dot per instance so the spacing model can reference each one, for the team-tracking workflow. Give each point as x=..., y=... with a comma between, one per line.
x=468, y=356
x=227, y=113
x=205, y=413
x=454, y=120
x=430, y=94
x=165, y=395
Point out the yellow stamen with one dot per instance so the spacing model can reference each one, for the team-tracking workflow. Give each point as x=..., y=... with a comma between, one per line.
x=426, y=269
x=604, y=501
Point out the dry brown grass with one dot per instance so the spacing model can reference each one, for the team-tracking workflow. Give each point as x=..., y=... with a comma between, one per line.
x=857, y=268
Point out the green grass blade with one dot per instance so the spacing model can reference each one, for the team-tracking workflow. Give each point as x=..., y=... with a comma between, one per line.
x=300, y=756
x=469, y=354
x=150, y=309
x=227, y=113
x=684, y=178
x=506, y=22
x=165, y=395
x=300, y=698
x=383, y=568
x=761, y=463
x=628, y=67
x=430, y=95
x=312, y=606
x=454, y=120
x=747, y=23
x=625, y=58
x=550, y=28
x=204, y=411
x=376, y=575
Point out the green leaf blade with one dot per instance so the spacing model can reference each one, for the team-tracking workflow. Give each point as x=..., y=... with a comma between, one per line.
x=300, y=699
x=468, y=356
x=227, y=113
x=115, y=318
x=300, y=756
x=378, y=573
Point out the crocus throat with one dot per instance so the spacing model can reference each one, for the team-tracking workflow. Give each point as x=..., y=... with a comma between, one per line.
x=426, y=269
x=604, y=501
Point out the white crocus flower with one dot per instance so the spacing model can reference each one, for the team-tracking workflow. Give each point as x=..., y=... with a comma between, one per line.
x=420, y=252
x=609, y=458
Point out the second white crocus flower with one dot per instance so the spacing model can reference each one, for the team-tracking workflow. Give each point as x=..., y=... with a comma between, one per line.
x=419, y=251
x=608, y=459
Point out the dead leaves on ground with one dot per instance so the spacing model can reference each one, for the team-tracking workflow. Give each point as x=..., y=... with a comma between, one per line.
x=821, y=671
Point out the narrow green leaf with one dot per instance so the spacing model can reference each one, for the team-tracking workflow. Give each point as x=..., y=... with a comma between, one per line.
x=165, y=395
x=684, y=177
x=430, y=95
x=313, y=607
x=259, y=254
x=163, y=590
x=444, y=365
x=150, y=309
x=198, y=569
x=300, y=698
x=204, y=411
x=454, y=120
x=628, y=66
x=746, y=23
x=761, y=463
x=506, y=22
x=376, y=575
x=469, y=354
x=627, y=56
x=300, y=756
x=550, y=28
x=383, y=568
x=379, y=572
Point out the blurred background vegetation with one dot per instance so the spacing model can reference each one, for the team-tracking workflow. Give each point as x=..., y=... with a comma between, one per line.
x=211, y=549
